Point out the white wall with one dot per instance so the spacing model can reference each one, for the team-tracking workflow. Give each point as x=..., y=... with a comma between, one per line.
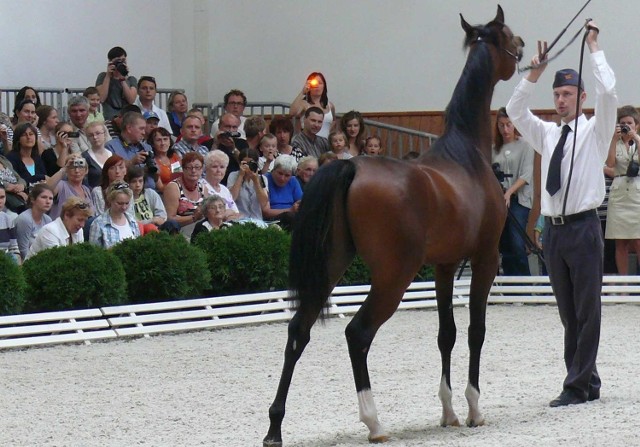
x=377, y=55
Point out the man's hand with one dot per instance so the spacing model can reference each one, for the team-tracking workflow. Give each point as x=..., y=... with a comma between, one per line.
x=592, y=36
x=538, y=62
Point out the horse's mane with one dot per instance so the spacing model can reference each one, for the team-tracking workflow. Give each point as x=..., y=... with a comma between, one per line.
x=462, y=115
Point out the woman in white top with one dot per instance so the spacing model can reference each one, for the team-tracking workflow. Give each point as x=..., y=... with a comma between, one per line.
x=215, y=164
x=314, y=93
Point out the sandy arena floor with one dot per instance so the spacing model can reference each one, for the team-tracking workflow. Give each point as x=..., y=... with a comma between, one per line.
x=213, y=388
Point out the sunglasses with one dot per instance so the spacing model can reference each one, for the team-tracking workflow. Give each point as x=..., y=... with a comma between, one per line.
x=120, y=186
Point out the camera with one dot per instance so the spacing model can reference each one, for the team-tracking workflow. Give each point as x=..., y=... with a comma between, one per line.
x=150, y=163
x=253, y=166
x=230, y=134
x=624, y=128
x=73, y=134
x=121, y=67
x=78, y=163
x=499, y=173
x=632, y=169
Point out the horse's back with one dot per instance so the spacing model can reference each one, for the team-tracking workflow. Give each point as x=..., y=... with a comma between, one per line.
x=434, y=211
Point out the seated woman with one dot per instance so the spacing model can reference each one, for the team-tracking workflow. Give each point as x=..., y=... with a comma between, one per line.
x=8, y=238
x=282, y=128
x=177, y=107
x=47, y=122
x=66, y=229
x=147, y=205
x=14, y=185
x=215, y=164
x=24, y=156
x=97, y=155
x=55, y=157
x=247, y=187
x=213, y=209
x=285, y=192
x=32, y=220
x=183, y=196
x=68, y=182
x=114, y=169
x=307, y=167
x=167, y=160
x=115, y=225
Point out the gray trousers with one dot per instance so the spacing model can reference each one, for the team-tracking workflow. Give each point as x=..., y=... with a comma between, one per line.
x=574, y=256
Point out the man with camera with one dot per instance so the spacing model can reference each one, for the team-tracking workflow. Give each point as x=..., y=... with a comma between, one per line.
x=116, y=87
x=131, y=146
x=623, y=211
x=573, y=157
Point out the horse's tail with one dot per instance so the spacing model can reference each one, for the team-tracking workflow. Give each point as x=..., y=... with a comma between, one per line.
x=324, y=202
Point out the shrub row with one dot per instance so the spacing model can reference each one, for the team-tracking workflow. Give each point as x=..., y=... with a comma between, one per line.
x=156, y=267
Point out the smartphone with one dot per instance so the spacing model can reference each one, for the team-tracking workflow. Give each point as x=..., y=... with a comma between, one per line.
x=73, y=134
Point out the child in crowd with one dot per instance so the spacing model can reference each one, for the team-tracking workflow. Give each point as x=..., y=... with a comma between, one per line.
x=537, y=234
x=328, y=157
x=269, y=149
x=372, y=146
x=339, y=146
x=147, y=204
x=92, y=94
x=8, y=239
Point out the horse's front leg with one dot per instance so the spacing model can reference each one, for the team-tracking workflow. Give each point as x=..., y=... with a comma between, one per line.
x=483, y=275
x=446, y=339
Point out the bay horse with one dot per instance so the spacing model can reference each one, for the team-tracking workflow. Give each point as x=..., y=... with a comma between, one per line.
x=399, y=216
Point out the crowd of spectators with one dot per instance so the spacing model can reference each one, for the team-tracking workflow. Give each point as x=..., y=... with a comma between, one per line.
x=121, y=166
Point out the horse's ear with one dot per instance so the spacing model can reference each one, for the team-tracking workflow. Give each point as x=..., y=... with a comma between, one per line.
x=499, y=15
x=466, y=27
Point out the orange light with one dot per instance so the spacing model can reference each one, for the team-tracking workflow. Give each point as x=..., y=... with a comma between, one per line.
x=313, y=82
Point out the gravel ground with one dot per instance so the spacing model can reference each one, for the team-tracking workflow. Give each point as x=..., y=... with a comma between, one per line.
x=214, y=388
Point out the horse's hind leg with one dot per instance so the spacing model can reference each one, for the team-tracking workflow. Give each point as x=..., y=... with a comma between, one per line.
x=482, y=278
x=298, y=338
x=446, y=339
x=382, y=302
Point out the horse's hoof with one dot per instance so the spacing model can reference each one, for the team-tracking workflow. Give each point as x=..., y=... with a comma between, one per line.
x=378, y=439
x=475, y=423
x=451, y=423
x=271, y=443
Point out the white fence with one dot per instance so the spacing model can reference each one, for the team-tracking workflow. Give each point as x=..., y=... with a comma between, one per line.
x=203, y=313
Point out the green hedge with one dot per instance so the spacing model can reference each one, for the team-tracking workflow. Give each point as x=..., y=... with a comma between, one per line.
x=245, y=259
x=13, y=286
x=162, y=267
x=78, y=276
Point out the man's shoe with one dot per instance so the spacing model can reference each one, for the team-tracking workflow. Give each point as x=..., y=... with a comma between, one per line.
x=594, y=394
x=567, y=397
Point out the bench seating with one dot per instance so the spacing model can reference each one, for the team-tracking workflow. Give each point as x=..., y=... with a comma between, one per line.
x=228, y=311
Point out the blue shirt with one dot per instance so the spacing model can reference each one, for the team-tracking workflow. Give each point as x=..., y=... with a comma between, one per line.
x=283, y=197
x=127, y=151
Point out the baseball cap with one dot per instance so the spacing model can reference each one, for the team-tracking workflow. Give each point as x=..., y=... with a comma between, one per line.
x=567, y=76
x=150, y=115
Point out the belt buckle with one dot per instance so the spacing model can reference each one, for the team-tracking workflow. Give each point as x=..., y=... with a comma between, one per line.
x=557, y=220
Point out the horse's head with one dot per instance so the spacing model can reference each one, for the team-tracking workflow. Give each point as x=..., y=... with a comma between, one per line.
x=509, y=47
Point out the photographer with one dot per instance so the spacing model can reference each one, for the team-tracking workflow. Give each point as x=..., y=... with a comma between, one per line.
x=248, y=188
x=116, y=87
x=69, y=182
x=132, y=147
x=623, y=213
x=512, y=160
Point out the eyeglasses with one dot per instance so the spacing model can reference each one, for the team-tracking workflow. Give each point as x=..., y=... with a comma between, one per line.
x=235, y=103
x=95, y=134
x=192, y=168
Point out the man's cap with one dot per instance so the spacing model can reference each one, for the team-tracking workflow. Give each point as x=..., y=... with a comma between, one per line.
x=567, y=76
x=150, y=115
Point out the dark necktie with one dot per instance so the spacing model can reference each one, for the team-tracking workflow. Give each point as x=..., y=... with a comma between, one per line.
x=553, y=175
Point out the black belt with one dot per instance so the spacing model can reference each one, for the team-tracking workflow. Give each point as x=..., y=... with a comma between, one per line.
x=562, y=220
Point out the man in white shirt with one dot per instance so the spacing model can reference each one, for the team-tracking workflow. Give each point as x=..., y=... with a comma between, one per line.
x=234, y=103
x=147, y=90
x=571, y=190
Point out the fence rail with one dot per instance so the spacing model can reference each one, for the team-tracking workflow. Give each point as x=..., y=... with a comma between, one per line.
x=230, y=311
